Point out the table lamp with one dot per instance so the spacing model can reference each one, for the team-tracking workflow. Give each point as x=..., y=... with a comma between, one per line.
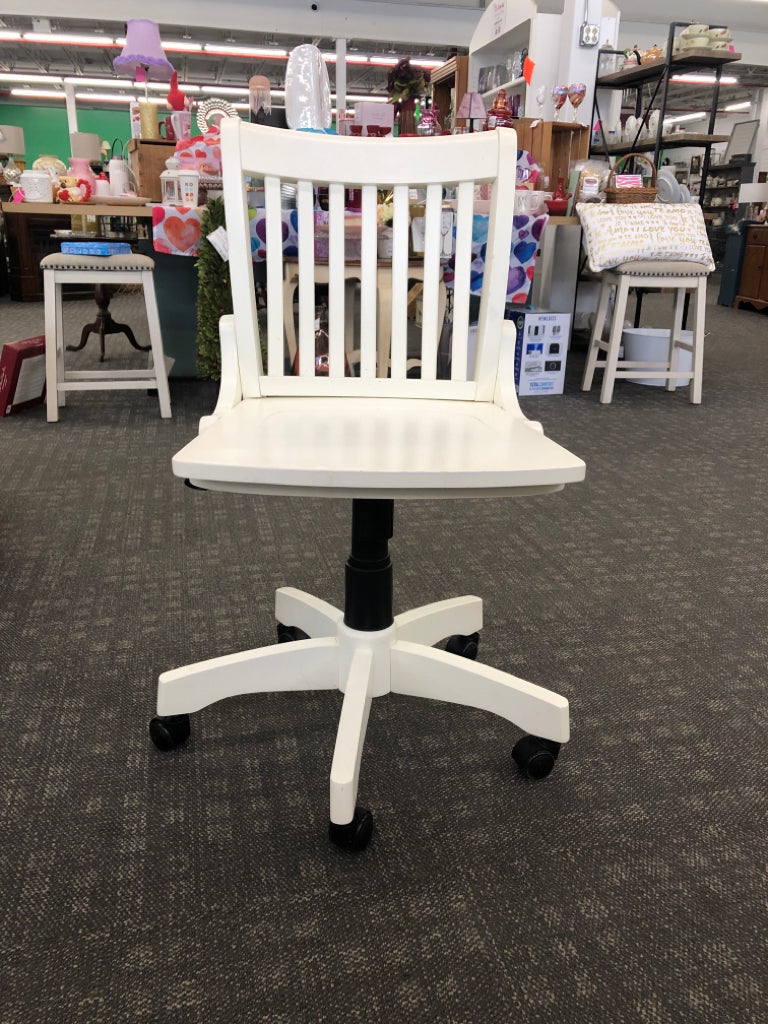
x=756, y=194
x=143, y=58
x=472, y=107
x=11, y=142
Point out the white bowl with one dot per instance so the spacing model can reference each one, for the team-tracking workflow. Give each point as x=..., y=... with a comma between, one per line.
x=694, y=30
x=720, y=33
x=696, y=43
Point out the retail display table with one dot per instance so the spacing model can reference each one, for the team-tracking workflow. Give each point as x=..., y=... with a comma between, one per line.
x=176, y=231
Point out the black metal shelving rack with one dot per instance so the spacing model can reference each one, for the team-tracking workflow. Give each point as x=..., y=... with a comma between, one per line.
x=661, y=71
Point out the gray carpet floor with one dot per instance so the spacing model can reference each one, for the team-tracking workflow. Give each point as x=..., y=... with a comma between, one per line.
x=629, y=887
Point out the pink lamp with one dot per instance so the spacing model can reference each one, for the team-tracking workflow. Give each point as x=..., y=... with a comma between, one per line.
x=471, y=107
x=143, y=56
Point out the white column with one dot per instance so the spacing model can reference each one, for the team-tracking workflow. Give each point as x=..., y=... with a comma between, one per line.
x=759, y=110
x=341, y=77
x=69, y=95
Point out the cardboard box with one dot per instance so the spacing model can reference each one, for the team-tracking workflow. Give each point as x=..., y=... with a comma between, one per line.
x=147, y=162
x=22, y=374
x=541, y=349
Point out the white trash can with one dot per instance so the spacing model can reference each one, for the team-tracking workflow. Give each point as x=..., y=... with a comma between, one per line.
x=651, y=345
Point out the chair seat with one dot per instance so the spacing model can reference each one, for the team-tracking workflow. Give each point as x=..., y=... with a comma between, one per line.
x=122, y=262
x=374, y=447
x=661, y=268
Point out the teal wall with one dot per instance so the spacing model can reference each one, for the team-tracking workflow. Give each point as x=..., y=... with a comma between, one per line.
x=46, y=131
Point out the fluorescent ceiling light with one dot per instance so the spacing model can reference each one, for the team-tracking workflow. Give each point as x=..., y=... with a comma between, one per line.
x=245, y=51
x=353, y=59
x=424, y=63
x=698, y=79
x=387, y=62
x=164, y=87
x=688, y=117
x=104, y=83
x=366, y=98
x=739, y=106
x=182, y=46
x=68, y=39
x=8, y=34
x=43, y=94
x=100, y=83
x=104, y=97
x=224, y=90
x=42, y=79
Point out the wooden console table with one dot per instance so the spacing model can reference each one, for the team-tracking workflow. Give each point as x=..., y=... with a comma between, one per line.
x=753, y=282
x=28, y=230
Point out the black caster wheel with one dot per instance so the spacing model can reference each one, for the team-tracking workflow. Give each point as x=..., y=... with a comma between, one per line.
x=287, y=634
x=356, y=835
x=464, y=646
x=536, y=756
x=169, y=731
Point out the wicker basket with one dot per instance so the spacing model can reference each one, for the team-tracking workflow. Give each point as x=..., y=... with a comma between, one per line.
x=645, y=194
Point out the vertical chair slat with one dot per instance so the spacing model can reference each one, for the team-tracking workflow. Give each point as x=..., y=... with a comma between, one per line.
x=336, y=280
x=305, y=205
x=432, y=245
x=399, y=344
x=462, y=268
x=369, y=247
x=274, y=242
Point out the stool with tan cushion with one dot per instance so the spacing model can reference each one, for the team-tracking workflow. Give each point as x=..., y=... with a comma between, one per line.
x=62, y=268
x=660, y=246
x=670, y=275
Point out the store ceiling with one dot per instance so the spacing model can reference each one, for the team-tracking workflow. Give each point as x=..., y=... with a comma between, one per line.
x=26, y=57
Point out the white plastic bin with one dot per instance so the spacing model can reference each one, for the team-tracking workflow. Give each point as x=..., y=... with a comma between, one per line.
x=651, y=345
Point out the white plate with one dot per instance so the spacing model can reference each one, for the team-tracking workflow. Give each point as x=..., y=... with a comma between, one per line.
x=668, y=186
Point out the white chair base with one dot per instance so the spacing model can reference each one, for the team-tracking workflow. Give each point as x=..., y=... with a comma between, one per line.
x=678, y=277
x=364, y=665
x=60, y=269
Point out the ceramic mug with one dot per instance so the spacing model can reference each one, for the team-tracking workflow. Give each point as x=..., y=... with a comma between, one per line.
x=181, y=123
x=165, y=127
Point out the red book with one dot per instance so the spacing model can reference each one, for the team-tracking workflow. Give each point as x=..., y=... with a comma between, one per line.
x=22, y=374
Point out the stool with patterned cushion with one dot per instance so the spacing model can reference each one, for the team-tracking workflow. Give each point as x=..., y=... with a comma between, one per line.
x=64, y=268
x=679, y=276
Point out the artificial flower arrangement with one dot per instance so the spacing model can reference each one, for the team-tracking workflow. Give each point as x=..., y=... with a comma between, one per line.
x=405, y=84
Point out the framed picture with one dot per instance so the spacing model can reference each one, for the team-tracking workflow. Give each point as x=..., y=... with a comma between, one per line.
x=742, y=142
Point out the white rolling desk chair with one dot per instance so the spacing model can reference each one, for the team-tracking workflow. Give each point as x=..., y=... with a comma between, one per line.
x=371, y=439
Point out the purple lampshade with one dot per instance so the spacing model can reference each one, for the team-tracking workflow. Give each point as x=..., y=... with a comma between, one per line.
x=471, y=106
x=143, y=53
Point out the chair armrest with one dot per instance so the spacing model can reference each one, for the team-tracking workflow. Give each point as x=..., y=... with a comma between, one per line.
x=505, y=394
x=230, y=385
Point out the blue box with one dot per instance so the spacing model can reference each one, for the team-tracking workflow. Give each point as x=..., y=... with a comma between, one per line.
x=96, y=248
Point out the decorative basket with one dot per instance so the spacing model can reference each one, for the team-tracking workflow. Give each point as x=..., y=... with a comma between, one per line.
x=645, y=194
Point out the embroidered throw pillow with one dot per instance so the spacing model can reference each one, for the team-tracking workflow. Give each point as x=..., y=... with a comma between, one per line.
x=617, y=233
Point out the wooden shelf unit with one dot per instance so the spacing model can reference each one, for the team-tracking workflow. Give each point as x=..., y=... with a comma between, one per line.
x=449, y=83
x=753, y=283
x=554, y=145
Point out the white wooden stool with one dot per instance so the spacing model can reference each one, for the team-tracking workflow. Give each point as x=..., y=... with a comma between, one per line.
x=63, y=268
x=674, y=275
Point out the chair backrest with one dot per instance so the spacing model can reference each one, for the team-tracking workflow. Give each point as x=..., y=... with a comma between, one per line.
x=308, y=161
